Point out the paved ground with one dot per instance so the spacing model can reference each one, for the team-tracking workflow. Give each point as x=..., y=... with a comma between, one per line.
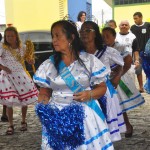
x=31, y=139
x=28, y=140
x=140, y=119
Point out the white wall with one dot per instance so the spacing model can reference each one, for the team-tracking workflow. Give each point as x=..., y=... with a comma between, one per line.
x=2, y=12
x=101, y=10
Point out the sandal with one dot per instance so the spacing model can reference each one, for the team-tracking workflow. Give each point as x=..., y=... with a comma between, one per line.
x=23, y=126
x=10, y=130
x=4, y=119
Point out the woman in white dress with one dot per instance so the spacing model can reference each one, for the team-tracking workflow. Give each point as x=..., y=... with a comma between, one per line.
x=129, y=96
x=16, y=87
x=93, y=44
x=81, y=19
x=71, y=118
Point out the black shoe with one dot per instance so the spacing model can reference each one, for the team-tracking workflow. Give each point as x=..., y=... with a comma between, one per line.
x=129, y=135
x=4, y=119
x=141, y=91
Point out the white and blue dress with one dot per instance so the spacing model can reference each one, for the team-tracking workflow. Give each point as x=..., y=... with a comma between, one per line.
x=129, y=96
x=111, y=57
x=66, y=123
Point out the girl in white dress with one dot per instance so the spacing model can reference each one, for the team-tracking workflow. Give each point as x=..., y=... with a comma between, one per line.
x=129, y=96
x=92, y=42
x=71, y=118
x=16, y=87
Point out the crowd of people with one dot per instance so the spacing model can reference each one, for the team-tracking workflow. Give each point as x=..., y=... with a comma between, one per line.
x=85, y=89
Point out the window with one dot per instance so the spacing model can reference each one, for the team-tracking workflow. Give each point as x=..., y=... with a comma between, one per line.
x=121, y=2
x=43, y=46
x=126, y=1
x=88, y=10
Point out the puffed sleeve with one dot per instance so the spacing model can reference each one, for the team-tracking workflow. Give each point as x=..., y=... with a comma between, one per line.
x=44, y=73
x=122, y=49
x=98, y=71
x=114, y=56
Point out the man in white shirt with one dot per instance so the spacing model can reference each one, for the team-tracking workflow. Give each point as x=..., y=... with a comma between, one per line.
x=128, y=39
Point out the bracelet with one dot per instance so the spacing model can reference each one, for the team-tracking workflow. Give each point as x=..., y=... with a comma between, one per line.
x=90, y=94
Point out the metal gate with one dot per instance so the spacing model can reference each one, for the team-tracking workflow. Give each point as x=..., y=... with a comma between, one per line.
x=88, y=11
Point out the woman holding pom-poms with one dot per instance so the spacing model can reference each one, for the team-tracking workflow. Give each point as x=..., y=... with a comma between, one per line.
x=71, y=118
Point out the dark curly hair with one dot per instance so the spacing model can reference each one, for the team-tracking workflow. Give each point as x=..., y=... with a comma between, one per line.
x=111, y=30
x=98, y=38
x=69, y=28
x=80, y=15
x=139, y=14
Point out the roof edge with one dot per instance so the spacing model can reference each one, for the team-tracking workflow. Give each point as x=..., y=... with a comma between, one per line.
x=109, y=2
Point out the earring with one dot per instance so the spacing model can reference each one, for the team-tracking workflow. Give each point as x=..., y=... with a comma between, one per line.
x=70, y=46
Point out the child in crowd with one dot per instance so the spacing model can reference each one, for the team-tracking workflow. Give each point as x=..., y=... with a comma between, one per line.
x=16, y=87
x=128, y=94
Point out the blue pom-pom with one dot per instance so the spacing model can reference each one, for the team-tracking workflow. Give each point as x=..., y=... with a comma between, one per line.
x=65, y=127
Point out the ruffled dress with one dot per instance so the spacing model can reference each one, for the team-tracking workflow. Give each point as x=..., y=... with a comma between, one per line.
x=111, y=57
x=83, y=129
x=16, y=88
x=129, y=96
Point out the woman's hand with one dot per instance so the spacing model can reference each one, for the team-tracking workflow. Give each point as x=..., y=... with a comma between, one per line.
x=5, y=69
x=97, y=91
x=31, y=61
x=115, y=81
x=136, y=63
x=44, y=95
x=82, y=96
x=43, y=98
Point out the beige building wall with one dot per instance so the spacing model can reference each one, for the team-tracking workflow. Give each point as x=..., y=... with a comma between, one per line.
x=126, y=13
x=34, y=14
